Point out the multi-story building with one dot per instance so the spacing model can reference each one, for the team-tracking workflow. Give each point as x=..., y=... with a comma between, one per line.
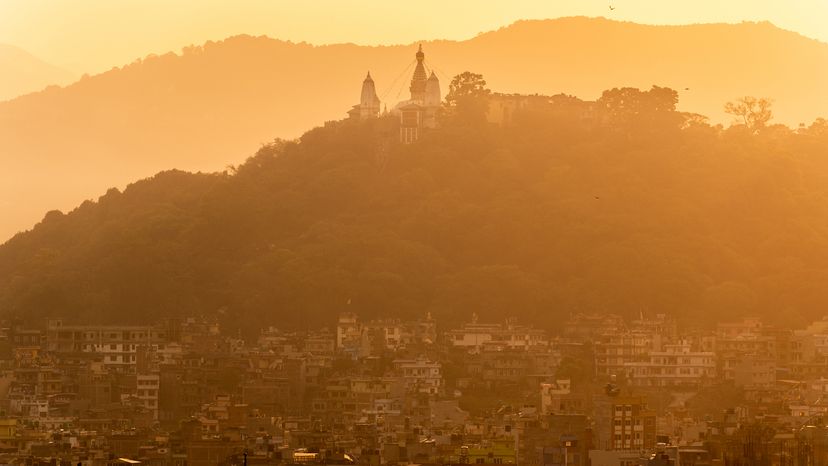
x=585, y=327
x=633, y=425
x=748, y=326
x=676, y=366
x=615, y=350
x=358, y=339
x=732, y=349
x=348, y=331
x=755, y=371
x=118, y=345
x=147, y=390
x=661, y=324
x=420, y=375
x=475, y=336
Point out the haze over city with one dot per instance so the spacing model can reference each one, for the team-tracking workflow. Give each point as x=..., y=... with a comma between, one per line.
x=535, y=233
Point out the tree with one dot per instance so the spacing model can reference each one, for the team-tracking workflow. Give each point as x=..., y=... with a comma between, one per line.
x=630, y=101
x=754, y=113
x=634, y=110
x=467, y=96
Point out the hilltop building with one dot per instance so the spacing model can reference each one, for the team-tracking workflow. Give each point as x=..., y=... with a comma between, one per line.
x=415, y=113
x=369, y=103
x=420, y=111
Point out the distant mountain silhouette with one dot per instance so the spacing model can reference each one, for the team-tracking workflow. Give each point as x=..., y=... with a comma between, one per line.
x=23, y=73
x=212, y=105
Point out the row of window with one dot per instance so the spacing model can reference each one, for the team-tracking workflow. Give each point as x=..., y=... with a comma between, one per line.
x=118, y=358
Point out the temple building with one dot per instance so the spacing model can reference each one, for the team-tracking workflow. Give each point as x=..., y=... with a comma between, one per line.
x=419, y=111
x=369, y=103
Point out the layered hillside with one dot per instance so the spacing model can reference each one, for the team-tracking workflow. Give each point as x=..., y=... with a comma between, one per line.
x=647, y=212
x=210, y=105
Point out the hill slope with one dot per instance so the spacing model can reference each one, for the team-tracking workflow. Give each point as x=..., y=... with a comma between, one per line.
x=24, y=73
x=538, y=220
x=211, y=105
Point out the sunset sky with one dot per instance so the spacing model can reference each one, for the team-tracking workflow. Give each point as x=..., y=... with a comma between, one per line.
x=93, y=35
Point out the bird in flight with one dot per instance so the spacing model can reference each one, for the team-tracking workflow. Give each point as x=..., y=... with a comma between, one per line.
x=612, y=8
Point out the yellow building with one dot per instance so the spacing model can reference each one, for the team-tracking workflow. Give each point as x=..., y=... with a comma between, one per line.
x=8, y=429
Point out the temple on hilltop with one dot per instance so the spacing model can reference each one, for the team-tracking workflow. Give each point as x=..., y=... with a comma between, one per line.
x=415, y=113
x=369, y=103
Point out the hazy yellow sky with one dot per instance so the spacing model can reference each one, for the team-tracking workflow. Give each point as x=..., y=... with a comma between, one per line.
x=94, y=35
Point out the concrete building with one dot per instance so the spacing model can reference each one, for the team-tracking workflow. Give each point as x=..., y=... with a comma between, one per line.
x=475, y=336
x=148, y=389
x=420, y=375
x=118, y=345
x=614, y=351
x=633, y=425
x=677, y=366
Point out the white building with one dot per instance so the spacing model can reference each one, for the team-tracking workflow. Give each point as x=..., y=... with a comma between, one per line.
x=677, y=366
x=420, y=375
x=474, y=336
x=148, y=387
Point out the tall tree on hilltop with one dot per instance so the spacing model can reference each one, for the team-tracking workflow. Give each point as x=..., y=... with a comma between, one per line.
x=468, y=96
x=754, y=113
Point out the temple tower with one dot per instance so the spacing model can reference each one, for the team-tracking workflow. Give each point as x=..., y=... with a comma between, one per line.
x=419, y=80
x=433, y=96
x=369, y=103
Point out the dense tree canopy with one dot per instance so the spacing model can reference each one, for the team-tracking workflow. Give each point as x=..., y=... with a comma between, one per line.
x=557, y=213
x=467, y=96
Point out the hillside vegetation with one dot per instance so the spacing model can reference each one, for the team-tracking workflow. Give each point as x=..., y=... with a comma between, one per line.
x=644, y=209
x=213, y=104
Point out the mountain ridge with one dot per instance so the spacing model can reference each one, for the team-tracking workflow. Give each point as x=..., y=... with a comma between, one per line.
x=25, y=73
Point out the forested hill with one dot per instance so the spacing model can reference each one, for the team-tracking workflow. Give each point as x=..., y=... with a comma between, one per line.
x=212, y=104
x=648, y=212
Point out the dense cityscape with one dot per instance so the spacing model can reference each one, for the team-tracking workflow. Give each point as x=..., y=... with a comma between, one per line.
x=599, y=390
